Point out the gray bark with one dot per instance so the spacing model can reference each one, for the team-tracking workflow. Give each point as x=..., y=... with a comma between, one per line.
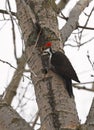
x=72, y=22
x=90, y=117
x=10, y=120
x=57, y=110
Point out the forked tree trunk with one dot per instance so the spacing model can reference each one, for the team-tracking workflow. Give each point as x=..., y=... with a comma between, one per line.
x=57, y=110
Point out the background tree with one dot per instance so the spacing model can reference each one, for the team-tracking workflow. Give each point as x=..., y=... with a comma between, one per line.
x=55, y=108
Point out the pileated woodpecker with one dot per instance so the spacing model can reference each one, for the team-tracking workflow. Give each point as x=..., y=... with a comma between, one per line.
x=63, y=67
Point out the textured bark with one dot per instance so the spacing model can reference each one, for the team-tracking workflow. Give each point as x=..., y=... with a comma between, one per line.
x=72, y=22
x=90, y=117
x=12, y=87
x=57, y=109
x=61, y=5
x=10, y=120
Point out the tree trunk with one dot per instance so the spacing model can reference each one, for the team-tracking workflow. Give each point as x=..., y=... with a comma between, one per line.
x=12, y=87
x=57, y=110
x=90, y=118
x=10, y=120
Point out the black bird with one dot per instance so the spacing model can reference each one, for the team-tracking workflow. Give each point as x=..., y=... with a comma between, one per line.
x=64, y=68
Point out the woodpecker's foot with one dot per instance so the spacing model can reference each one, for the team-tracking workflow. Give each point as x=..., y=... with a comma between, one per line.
x=45, y=70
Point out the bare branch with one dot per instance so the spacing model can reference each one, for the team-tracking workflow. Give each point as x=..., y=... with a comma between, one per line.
x=92, y=64
x=16, y=68
x=79, y=45
x=11, y=90
x=36, y=119
x=58, y=7
x=83, y=88
x=8, y=63
x=13, y=30
x=76, y=85
x=88, y=28
x=80, y=36
x=21, y=98
x=73, y=19
x=61, y=5
x=78, y=26
x=5, y=12
x=83, y=83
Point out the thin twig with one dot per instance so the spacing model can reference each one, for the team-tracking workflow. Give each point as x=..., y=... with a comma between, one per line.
x=13, y=29
x=3, y=25
x=90, y=82
x=80, y=36
x=5, y=12
x=36, y=40
x=16, y=68
x=92, y=64
x=88, y=28
x=84, y=88
x=8, y=63
x=88, y=41
x=76, y=85
x=35, y=121
x=34, y=45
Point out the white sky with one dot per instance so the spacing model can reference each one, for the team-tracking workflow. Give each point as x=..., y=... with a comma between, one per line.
x=77, y=57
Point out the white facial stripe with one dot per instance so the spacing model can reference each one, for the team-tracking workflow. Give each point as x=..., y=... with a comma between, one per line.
x=47, y=51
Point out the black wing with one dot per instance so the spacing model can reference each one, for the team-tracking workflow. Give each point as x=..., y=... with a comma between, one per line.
x=63, y=66
x=69, y=87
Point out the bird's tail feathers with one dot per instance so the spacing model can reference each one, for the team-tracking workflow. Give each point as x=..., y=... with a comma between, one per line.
x=69, y=87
